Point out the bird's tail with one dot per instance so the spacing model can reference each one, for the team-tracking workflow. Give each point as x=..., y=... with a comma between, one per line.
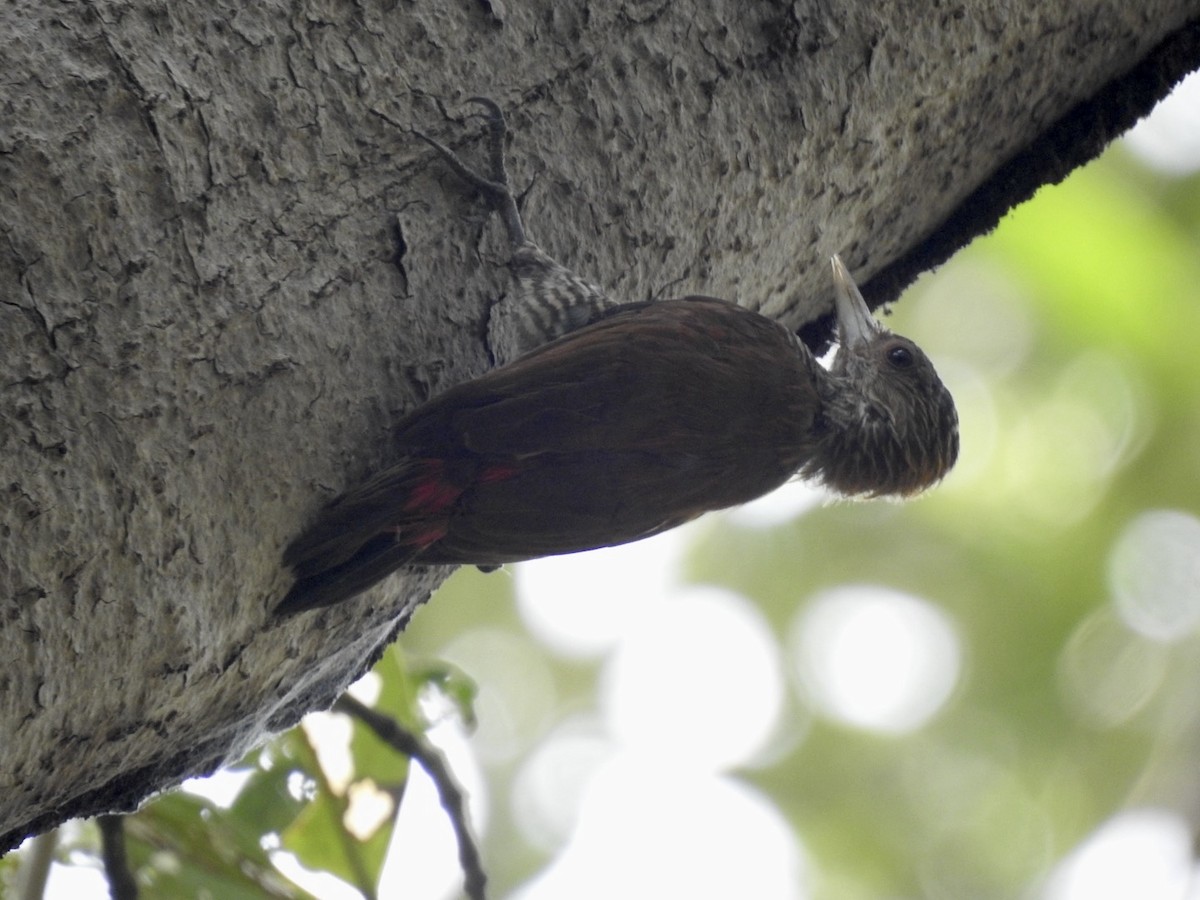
x=374, y=561
x=367, y=533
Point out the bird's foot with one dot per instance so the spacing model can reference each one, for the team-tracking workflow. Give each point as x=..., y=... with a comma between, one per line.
x=547, y=300
x=495, y=187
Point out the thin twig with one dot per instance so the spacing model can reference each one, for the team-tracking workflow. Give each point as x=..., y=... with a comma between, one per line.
x=453, y=800
x=121, y=883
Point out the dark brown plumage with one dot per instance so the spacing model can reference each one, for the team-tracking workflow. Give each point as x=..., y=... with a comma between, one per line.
x=645, y=418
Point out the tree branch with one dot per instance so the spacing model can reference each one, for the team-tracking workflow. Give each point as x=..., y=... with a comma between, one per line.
x=121, y=882
x=453, y=800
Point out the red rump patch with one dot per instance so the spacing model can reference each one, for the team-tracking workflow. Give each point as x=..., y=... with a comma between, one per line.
x=498, y=472
x=427, y=537
x=431, y=493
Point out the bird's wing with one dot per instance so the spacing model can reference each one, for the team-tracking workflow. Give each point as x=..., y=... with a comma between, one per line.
x=695, y=372
x=624, y=429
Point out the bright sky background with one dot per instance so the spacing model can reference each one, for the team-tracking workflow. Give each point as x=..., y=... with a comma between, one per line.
x=646, y=778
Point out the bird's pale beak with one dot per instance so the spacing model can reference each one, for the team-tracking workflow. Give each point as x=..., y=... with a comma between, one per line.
x=856, y=325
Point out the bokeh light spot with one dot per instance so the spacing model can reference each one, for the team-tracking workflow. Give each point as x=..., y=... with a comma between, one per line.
x=972, y=311
x=1154, y=574
x=549, y=788
x=697, y=678
x=516, y=689
x=652, y=829
x=1106, y=674
x=1142, y=853
x=579, y=604
x=784, y=504
x=875, y=658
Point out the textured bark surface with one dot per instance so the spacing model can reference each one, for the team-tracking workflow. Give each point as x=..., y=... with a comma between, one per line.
x=226, y=269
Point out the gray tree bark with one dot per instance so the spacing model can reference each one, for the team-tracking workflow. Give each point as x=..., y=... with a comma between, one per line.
x=226, y=268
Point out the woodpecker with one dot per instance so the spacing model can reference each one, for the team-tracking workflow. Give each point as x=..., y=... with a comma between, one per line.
x=608, y=422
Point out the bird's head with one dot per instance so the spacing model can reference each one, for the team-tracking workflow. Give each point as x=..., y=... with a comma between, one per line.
x=893, y=429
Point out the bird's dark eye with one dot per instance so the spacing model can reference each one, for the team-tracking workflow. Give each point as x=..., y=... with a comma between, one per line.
x=900, y=357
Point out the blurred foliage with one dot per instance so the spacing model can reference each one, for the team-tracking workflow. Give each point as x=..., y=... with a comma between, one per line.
x=1068, y=337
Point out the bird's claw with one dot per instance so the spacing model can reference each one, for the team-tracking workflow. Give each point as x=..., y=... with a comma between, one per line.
x=495, y=188
x=497, y=128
